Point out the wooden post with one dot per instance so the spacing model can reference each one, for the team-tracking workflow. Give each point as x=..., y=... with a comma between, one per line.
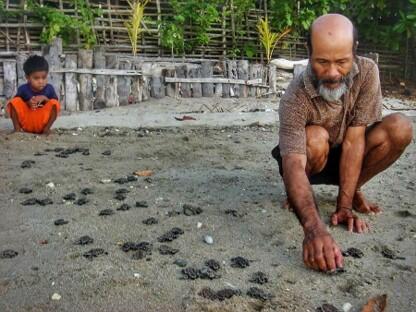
x=272, y=78
x=170, y=87
x=255, y=72
x=147, y=77
x=71, y=83
x=159, y=20
x=243, y=74
x=10, y=79
x=298, y=70
x=157, y=82
x=184, y=87
x=85, y=80
x=218, y=92
x=206, y=72
x=20, y=59
x=99, y=62
x=137, y=85
x=111, y=96
x=226, y=86
x=233, y=74
x=52, y=54
x=124, y=85
x=194, y=71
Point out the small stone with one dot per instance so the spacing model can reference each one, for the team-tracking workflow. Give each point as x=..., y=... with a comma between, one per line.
x=327, y=308
x=105, y=181
x=87, y=191
x=240, y=262
x=199, y=225
x=189, y=210
x=346, y=307
x=142, y=204
x=84, y=240
x=60, y=222
x=208, y=239
x=106, y=153
x=25, y=190
x=51, y=185
x=56, y=296
x=8, y=254
x=258, y=293
x=167, y=250
x=181, y=263
x=106, y=212
x=70, y=196
x=131, y=178
x=124, y=207
x=136, y=275
x=208, y=273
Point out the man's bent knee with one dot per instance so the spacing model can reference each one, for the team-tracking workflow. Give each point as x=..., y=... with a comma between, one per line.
x=399, y=129
x=317, y=148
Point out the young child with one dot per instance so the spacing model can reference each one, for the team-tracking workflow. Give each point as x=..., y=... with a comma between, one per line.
x=35, y=106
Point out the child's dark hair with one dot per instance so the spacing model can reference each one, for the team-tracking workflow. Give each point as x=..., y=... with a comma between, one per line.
x=35, y=63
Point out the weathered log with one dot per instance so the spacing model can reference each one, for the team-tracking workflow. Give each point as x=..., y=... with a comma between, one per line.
x=99, y=63
x=111, y=95
x=85, y=60
x=71, y=93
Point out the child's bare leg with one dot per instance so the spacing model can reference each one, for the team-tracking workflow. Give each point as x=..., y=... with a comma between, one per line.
x=15, y=120
x=51, y=120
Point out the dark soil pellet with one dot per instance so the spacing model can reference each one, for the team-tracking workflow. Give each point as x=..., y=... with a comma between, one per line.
x=60, y=222
x=140, y=254
x=240, y=262
x=84, y=240
x=173, y=213
x=171, y=235
x=208, y=273
x=404, y=214
x=213, y=264
x=45, y=201
x=258, y=293
x=259, y=278
x=27, y=164
x=232, y=212
x=121, y=181
x=8, y=254
x=25, y=190
x=190, y=273
x=30, y=202
x=120, y=197
x=327, y=308
x=220, y=295
x=87, y=191
x=142, y=204
x=81, y=201
x=131, y=178
x=106, y=153
x=93, y=253
x=106, y=212
x=353, y=252
x=70, y=196
x=189, y=210
x=122, y=191
x=337, y=271
x=181, y=263
x=124, y=207
x=167, y=250
x=145, y=246
x=390, y=254
x=150, y=221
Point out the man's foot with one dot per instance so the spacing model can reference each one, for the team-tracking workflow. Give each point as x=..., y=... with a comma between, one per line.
x=360, y=204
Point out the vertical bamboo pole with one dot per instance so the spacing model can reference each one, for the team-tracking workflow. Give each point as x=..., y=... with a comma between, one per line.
x=111, y=21
x=159, y=19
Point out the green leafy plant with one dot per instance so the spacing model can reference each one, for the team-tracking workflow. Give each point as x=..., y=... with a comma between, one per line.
x=134, y=24
x=268, y=38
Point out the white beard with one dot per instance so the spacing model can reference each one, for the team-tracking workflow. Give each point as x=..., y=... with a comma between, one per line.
x=332, y=95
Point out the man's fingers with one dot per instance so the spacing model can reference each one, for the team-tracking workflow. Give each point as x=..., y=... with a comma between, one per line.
x=305, y=256
x=320, y=260
x=334, y=219
x=350, y=224
x=330, y=259
x=339, y=260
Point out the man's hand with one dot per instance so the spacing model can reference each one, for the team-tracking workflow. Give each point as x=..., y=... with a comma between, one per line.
x=320, y=252
x=346, y=216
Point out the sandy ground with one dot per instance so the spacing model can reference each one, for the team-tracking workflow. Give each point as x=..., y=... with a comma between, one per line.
x=214, y=169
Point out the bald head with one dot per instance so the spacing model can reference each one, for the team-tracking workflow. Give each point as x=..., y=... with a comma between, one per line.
x=331, y=31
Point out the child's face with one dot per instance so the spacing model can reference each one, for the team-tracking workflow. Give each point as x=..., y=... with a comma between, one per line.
x=37, y=80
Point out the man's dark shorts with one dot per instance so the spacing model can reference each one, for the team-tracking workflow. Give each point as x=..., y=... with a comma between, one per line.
x=329, y=175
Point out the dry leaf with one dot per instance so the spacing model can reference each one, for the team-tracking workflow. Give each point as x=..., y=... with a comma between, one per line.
x=376, y=304
x=144, y=173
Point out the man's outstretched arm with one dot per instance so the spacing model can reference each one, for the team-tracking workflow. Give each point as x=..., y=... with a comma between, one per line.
x=320, y=252
x=351, y=161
